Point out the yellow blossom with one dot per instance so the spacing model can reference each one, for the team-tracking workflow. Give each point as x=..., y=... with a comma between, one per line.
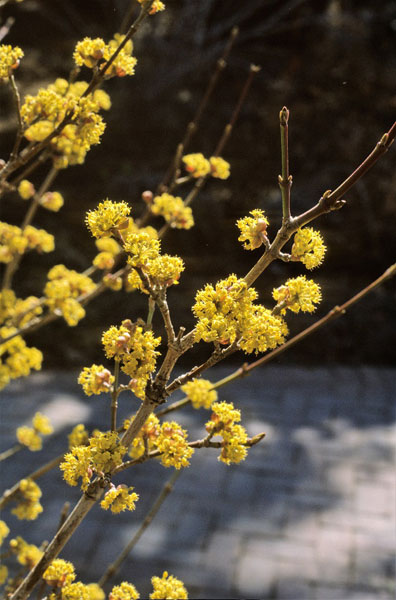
x=62, y=291
x=142, y=249
x=124, y=591
x=297, y=294
x=26, y=189
x=78, y=436
x=219, y=167
x=200, y=392
x=112, y=282
x=119, y=498
x=95, y=379
x=3, y=574
x=173, y=445
x=197, y=164
x=59, y=573
x=4, y=531
x=73, y=591
x=224, y=422
x=52, y=201
x=89, y=52
x=108, y=244
x=39, y=239
x=76, y=464
x=146, y=439
x=28, y=437
x=9, y=60
x=27, y=554
x=165, y=270
x=42, y=424
x=308, y=247
x=16, y=359
x=104, y=261
x=95, y=592
x=28, y=497
x=253, y=229
x=107, y=218
x=262, y=330
x=157, y=6
x=168, y=587
x=12, y=242
x=173, y=210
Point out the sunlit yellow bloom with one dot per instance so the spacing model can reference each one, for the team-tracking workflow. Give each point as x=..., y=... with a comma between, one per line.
x=62, y=291
x=197, y=164
x=219, y=167
x=39, y=239
x=59, y=573
x=308, y=247
x=200, y=392
x=168, y=587
x=9, y=60
x=119, y=498
x=12, y=242
x=27, y=554
x=108, y=244
x=112, y=282
x=155, y=7
x=89, y=52
x=165, y=270
x=26, y=189
x=42, y=424
x=224, y=422
x=16, y=359
x=297, y=294
x=95, y=592
x=107, y=218
x=28, y=497
x=253, y=229
x=124, y=591
x=4, y=531
x=78, y=436
x=95, y=380
x=146, y=438
x=173, y=210
x=104, y=261
x=52, y=201
x=142, y=249
x=172, y=443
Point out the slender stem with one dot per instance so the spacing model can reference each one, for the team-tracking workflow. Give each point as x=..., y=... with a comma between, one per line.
x=114, y=396
x=285, y=179
x=151, y=309
x=11, y=451
x=166, y=490
x=17, y=100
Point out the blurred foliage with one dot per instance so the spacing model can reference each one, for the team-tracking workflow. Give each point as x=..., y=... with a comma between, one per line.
x=331, y=62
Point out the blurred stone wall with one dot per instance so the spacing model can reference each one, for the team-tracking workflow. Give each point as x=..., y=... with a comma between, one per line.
x=332, y=62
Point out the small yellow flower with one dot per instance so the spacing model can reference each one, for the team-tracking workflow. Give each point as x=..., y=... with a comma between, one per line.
x=157, y=6
x=219, y=167
x=52, y=201
x=173, y=445
x=9, y=60
x=297, y=294
x=107, y=244
x=95, y=592
x=78, y=436
x=4, y=531
x=224, y=422
x=28, y=497
x=26, y=189
x=95, y=380
x=168, y=587
x=27, y=554
x=119, y=498
x=42, y=424
x=124, y=591
x=253, y=229
x=89, y=52
x=173, y=210
x=59, y=573
x=107, y=218
x=104, y=261
x=308, y=247
x=200, y=392
x=197, y=164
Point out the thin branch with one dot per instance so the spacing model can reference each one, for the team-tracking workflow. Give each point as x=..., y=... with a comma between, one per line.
x=114, y=396
x=166, y=490
x=285, y=179
x=17, y=101
x=11, y=451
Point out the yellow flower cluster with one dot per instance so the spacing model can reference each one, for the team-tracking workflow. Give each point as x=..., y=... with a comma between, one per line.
x=135, y=349
x=78, y=436
x=119, y=498
x=16, y=359
x=155, y=7
x=227, y=314
x=59, y=573
x=199, y=166
x=103, y=453
x=173, y=445
x=43, y=112
x=4, y=531
x=224, y=422
x=52, y=201
x=27, y=554
x=29, y=436
x=108, y=250
x=253, y=229
x=3, y=574
x=124, y=591
x=200, y=392
x=95, y=52
x=146, y=438
x=9, y=60
x=168, y=587
x=15, y=311
x=95, y=379
x=143, y=249
x=28, y=497
x=26, y=189
x=107, y=218
x=173, y=210
x=297, y=294
x=62, y=292
x=14, y=240
x=308, y=247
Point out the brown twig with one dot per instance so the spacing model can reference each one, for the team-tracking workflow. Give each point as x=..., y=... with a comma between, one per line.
x=285, y=179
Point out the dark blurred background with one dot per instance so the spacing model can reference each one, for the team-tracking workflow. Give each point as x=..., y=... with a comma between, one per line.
x=331, y=62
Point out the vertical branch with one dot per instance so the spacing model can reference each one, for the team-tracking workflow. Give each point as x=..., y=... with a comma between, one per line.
x=285, y=179
x=17, y=101
x=114, y=396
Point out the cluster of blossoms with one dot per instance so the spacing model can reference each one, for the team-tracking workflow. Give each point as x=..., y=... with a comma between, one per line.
x=30, y=436
x=52, y=201
x=168, y=587
x=27, y=554
x=42, y=113
x=200, y=392
x=199, y=166
x=101, y=455
x=253, y=229
x=14, y=241
x=297, y=294
x=60, y=576
x=4, y=531
x=167, y=438
x=28, y=500
x=94, y=53
x=135, y=349
x=119, y=498
x=62, y=291
x=16, y=358
x=156, y=6
x=224, y=422
x=10, y=58
x=78, y=437
x=18, y=311
x=95, y=380
x=173, y=210
x=108, y=218
x=308, y=247
x=226, y=314
x=108, y=250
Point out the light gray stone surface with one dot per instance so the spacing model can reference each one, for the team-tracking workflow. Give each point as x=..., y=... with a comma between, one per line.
x=309, y=515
